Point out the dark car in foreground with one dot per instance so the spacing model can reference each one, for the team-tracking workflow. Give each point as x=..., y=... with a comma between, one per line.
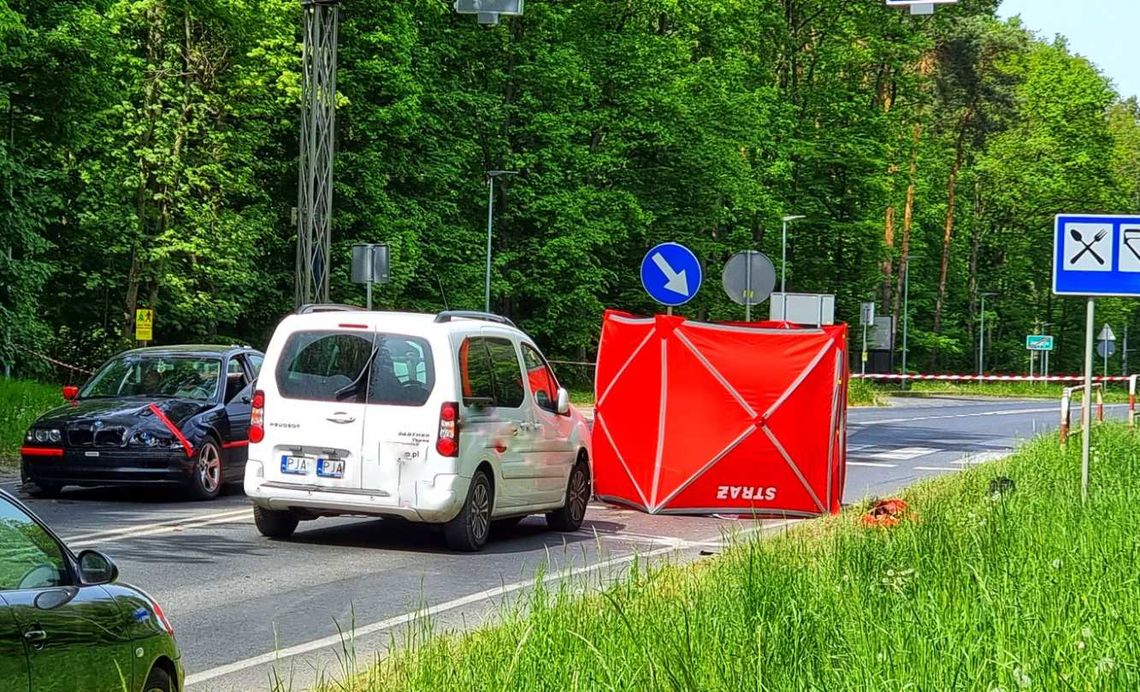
x=173, y=415
x=66, y=625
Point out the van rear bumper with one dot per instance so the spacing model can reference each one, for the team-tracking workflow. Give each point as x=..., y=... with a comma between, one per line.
x=437, y=500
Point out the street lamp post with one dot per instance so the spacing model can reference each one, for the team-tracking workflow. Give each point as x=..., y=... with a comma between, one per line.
x=491, y=175
x=982, y=336
x=784, y=264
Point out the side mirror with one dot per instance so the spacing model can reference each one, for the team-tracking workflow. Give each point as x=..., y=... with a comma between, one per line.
x=563, y=402
x=70, y=392
x=96, y=568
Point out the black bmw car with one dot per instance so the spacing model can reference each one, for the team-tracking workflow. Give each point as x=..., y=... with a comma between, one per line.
x=174, y=415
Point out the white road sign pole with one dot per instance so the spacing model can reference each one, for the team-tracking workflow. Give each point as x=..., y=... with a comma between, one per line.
x=1086, y=410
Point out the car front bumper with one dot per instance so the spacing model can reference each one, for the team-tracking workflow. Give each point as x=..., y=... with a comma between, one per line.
x=116, y=466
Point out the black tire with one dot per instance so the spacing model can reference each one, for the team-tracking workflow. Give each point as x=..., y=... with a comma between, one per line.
x=45, y=490
x=273, y=523
x=570, y=515
x=506, y=524
x=206, y=477
x=158, y=681
x=468, y=531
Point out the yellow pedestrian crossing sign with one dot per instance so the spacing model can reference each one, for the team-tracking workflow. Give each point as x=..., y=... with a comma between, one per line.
x=144, y=325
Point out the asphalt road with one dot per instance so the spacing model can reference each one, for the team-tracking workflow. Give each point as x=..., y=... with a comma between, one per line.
x=246, y=609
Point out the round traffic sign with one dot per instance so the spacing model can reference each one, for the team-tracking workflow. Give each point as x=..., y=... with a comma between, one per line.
x=749, y=277
x=1105, y=349
x=671, y=274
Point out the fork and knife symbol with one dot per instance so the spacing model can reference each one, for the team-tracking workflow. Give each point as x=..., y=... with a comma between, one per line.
x=1088, y=246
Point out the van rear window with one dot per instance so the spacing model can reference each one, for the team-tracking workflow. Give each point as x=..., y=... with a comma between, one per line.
x=356, y=367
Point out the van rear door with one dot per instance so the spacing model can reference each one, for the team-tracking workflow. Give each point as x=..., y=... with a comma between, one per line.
x=316, y=425
x=400, y=426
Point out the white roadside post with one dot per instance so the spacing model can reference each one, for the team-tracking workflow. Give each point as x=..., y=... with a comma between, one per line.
x=1086, y=410
x=1132, y=401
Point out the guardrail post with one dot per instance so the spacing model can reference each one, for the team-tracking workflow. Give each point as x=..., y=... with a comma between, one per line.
x=1132, y=401
x=1100, y=404
x=1064, y=416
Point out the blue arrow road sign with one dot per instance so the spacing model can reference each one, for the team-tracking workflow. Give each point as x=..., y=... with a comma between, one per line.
x=1096, y=255
x=671, y=274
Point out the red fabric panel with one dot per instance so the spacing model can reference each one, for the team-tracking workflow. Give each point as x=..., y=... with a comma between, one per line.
x=716, y=455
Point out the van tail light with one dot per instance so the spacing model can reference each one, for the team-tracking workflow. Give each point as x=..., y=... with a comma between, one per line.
x=257, y=417
x=447, y=444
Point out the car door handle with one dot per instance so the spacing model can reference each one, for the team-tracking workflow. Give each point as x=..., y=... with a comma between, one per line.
x=514, y=429
x=36, y=638
x=341, y=419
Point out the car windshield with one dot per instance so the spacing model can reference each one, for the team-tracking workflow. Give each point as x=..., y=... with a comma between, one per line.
x=162, y=376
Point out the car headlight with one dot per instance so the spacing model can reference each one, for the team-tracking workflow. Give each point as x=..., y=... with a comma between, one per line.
x=55, y=436
x=30, y=436
x=145, y=438
x=41, y=436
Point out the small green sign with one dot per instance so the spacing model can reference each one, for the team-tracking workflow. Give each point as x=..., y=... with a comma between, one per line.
x=1039, y=342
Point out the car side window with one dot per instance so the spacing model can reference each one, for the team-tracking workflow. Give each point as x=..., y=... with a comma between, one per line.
x=29, y=557
x=543, y=385
x=237, y=379
x=255, y=361
x=475, y=372
x=507, y=373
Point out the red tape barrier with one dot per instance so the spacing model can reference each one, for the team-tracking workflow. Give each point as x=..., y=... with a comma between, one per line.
x=989, y=378
x=173, y=429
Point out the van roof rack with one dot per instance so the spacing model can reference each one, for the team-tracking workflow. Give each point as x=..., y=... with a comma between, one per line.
x=325, y=307
x=448, y=315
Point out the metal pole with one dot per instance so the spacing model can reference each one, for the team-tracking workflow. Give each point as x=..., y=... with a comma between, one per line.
x=368, y=293
x=906, y=310
x=1124, y=355
x=1086, y=410
x=863, y=357
x=490, y=217
x=982, y=339
x=318, y=125
x=748, y=287
x=784, y=260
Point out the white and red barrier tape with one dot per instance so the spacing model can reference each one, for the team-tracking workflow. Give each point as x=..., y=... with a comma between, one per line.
x=988, y=378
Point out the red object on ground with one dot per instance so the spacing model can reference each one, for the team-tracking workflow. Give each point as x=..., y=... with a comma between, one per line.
x=695, y=418
x=887, y=513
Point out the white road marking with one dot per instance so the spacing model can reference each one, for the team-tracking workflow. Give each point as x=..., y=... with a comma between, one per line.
x=901, y=454
x=170, y=526
x=872, y=464
x=937, y=468
x=390, y=623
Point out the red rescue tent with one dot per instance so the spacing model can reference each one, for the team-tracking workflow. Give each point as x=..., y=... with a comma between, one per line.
x=696, y=418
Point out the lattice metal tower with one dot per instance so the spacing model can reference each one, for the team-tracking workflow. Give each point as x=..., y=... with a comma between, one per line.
x=318, y=125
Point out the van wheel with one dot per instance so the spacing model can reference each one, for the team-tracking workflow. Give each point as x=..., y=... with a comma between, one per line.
x=273, y=523
x=468, y=531
x=570, y=515
x=206, y=476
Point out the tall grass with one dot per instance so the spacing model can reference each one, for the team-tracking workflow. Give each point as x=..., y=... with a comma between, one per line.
x=1027, y=590
x=1114, y=392
x=21, y=402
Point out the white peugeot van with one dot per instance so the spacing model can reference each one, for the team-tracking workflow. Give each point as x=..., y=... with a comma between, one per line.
x=453, y=419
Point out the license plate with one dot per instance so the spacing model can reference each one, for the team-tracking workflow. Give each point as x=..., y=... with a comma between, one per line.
x=330, y=468
x=296, y=465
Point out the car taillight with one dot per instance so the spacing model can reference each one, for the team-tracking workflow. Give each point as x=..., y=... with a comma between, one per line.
x=447, y=444
x=257, y=417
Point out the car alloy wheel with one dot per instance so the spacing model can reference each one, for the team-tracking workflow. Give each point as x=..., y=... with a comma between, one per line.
x=480, y=512
x=210, y=469
x=579, y=495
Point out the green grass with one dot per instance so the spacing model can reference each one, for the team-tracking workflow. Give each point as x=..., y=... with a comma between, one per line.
x=1031, y=590
x=21, y=403
x=1014, y=390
